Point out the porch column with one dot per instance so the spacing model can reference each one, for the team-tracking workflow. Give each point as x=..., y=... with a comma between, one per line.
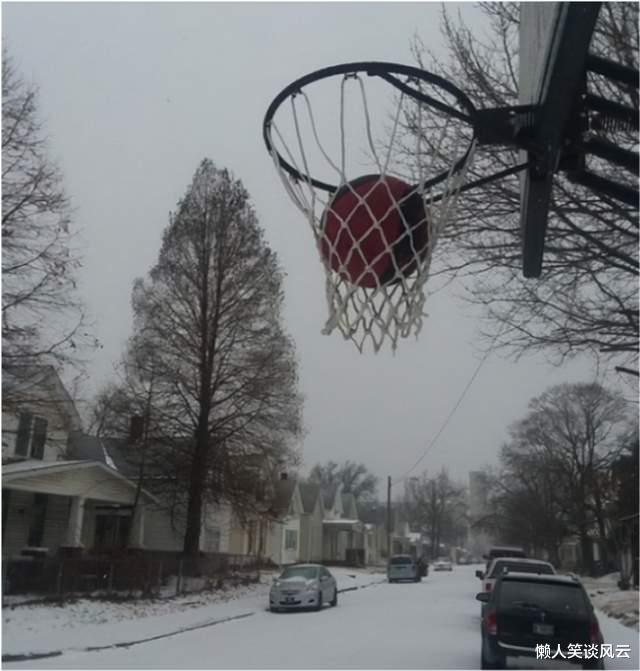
x=137, y=528
x=76, y=517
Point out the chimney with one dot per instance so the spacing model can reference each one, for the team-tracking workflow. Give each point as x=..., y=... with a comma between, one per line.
x=284, y=476
x=136, y=428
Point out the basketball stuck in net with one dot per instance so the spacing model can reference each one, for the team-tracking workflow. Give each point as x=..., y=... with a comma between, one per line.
x=377, y=199
x=374, y=231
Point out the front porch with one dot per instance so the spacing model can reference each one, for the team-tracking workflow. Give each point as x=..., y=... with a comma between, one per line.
x=70, y=508
x=343, y=542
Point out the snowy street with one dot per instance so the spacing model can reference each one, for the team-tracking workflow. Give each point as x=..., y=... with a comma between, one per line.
x=434, y=624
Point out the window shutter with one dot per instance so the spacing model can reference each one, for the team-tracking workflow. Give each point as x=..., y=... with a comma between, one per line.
x=24, y=434
x=39, y=437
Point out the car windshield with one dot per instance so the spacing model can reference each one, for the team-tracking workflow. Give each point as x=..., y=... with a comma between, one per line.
x=401, y=560
x=551, y=597
x=307, y=572
x=520, y=567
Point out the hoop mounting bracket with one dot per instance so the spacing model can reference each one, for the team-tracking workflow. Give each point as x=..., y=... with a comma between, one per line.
x=510, y=126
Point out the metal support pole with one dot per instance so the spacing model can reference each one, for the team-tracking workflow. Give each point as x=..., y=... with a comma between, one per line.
x=388, y=517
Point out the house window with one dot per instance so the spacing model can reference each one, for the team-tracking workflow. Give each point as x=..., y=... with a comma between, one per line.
x=290, y=539
x=32, y=436
x=38, y=515
x=39, y=437
x=24, y=434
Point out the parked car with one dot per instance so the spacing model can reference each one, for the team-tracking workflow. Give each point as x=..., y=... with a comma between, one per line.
x=501, y=565
x=303, y=586
x=443, y=564
x=403, y=567
x=503, y=551
x=525, y=610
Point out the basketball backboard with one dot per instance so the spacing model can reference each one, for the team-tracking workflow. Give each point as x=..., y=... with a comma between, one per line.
x=554, y=43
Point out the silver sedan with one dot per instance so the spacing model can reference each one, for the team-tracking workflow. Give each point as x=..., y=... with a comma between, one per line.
x=303, y=586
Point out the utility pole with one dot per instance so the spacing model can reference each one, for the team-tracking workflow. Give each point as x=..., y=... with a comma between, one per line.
x=388, y=517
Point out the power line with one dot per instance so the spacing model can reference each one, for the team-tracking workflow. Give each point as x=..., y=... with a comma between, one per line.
x=448, y=419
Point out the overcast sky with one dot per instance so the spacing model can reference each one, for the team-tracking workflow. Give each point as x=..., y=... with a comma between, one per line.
x=135, y=95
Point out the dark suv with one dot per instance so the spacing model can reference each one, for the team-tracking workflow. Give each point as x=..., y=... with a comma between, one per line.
x=525, y=610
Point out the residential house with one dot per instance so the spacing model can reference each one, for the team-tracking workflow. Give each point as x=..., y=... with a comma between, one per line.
x=66, y=492
x=343, y=532
x=51, y=503
x=164, y=523
x=311, y=522
x=284, y=534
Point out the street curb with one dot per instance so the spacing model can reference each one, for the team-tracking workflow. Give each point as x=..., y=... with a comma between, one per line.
x=30, y=656
x=353, y=589
x=127, y=644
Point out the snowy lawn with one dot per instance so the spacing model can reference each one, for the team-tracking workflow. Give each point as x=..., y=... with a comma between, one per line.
x=617, y=603
x=40, y=628
x=431, y=625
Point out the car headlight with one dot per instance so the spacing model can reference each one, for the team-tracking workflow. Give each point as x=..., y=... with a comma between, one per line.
x=313, y=584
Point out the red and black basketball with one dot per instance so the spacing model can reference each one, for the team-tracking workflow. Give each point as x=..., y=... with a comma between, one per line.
x=364, y=253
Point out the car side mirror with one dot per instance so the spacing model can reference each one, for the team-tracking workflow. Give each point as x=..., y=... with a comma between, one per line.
x=479, y=574
x=483, y=596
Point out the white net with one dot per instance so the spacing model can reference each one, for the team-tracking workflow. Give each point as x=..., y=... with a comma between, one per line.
x=377, y=231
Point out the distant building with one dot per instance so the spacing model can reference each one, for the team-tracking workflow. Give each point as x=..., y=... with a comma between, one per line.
x=479, y=539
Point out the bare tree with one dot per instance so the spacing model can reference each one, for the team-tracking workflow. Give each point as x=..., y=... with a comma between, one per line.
x=355, y=478
x=210, y=310
x=587, y=297
x=43, y=321
x=436, y=507
x=556, y=469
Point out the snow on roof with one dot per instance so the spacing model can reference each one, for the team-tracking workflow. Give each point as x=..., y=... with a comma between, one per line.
x=341, y=521
x=546, y=577
x=35, y=464
x=524, y=560
x=107, y=458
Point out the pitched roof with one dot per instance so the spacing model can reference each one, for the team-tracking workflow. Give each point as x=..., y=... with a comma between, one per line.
x=283, y=492
x=112, y=452
x=309, y=492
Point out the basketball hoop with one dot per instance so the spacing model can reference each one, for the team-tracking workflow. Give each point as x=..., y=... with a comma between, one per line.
x=364, y=302
x=378, y=211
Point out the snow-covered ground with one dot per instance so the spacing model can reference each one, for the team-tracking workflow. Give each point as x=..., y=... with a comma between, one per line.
x=43, y=628
x=605, y=595
x=434, y=624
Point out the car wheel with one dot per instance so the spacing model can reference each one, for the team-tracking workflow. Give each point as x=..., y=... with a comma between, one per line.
x=334, y=601
x=319, y=604
x=500, y=663
x=484, y=664
x=273, y=609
